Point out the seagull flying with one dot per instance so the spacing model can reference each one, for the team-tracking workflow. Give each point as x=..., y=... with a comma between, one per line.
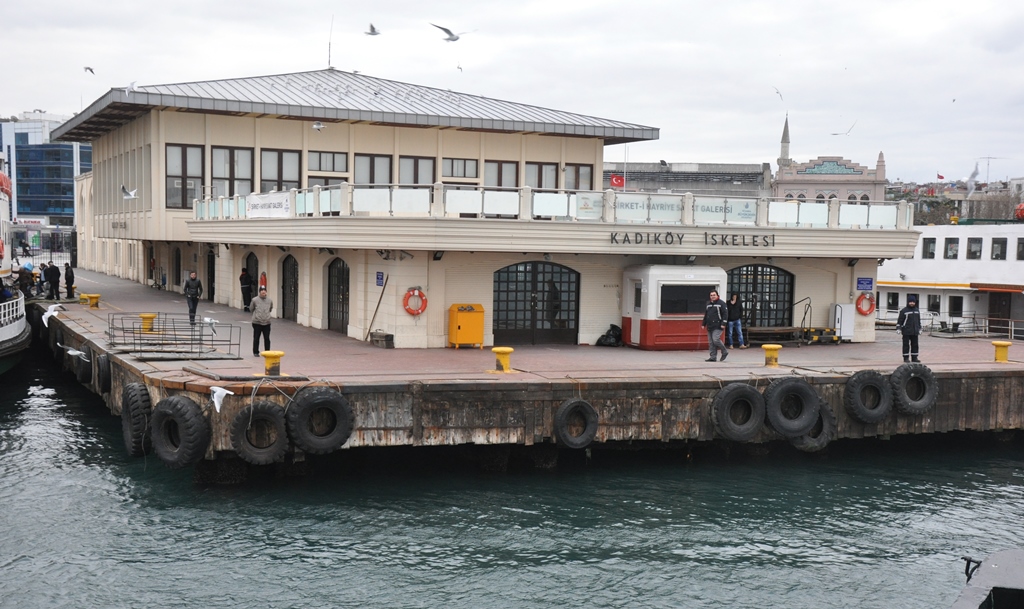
x=373, y=31
x=451, y=37
x=217, y=395
x=74, y=352
x=779, y=92
x=89, y=70
x=51, y=311
x=212, y=323
x=128, y=194
x=848, y=130
x=459, y=67
x=971, y=181
x=318, y=126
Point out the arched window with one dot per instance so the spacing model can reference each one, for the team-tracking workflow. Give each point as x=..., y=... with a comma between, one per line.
x=800, y=197
x=833, y=197
x=767, y=295
x=864, y=198
x=820, y=197
x=852, y=198
x=789, y=196
x=536, y=303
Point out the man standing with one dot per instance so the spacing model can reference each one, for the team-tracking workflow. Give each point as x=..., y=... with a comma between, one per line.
x=193, y=291
x=52, y=277
x=69, y=280
x=261, y=307
x=734, y=333
x=909, y=323
x=715, y=316
x=245, y=282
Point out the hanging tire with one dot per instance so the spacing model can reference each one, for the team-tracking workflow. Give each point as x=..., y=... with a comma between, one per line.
x=575, y=423
x=136, y=409
x=180, y=431
x=868, y=396
x=319, y=420
x=823, y=432
x=83, y=368
x=791, y=406
x=258, y=433
x=738, y=412
x=915, y=388
x=103, y=373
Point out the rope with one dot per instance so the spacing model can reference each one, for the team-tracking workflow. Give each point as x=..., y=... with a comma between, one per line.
x=577, y=386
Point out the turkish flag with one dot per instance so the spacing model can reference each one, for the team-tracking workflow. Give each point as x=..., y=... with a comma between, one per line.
x=940, y=176
x=617, y=180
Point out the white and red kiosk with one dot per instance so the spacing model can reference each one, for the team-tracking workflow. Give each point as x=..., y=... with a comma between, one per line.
x=663, y=305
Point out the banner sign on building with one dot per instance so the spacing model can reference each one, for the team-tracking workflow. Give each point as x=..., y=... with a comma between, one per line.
x=270, y=205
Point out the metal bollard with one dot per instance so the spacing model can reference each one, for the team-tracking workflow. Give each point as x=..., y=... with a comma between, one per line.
x=272, y=362
x=502, y=362
x=771, y=355
x=1002, y=351
x=147, y=321
x=94, y=300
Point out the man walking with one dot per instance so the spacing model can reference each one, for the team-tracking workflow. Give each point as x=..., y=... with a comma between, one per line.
x=52, y=277
x=261, y=307
x=909, y=323
x=715, y=316
x=193, y=289
x=245, y=282
x=69, y=280
x=734, y=333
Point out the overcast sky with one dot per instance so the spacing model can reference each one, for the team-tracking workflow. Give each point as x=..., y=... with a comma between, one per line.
x=935, y=85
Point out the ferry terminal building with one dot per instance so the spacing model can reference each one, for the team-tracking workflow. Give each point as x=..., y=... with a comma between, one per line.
x=353, y=193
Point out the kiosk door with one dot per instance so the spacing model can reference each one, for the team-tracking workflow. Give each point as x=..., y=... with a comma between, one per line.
x=634, y=315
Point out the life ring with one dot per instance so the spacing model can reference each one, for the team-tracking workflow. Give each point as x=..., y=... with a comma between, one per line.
x=791, y=406
x=415, y=292
x=868, y=396
x=574, y=408
x=180, y=432
x=258, y=433
x=738, y=412
x=83, y=365
x=319, y=420
x=135, y=412
x=867, y=309
x=915, y=388
x=103, y=373
x=823, y=432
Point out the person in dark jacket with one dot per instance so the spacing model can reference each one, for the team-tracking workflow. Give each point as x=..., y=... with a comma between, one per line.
x=245, y=282
x=909, y=323
x=734, y=332
x=52, y=277
x=69, y=280
x=716, y=315
x=193, y=289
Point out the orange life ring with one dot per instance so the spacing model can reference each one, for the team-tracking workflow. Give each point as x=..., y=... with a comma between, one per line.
x=415, y=292
x=870, y=308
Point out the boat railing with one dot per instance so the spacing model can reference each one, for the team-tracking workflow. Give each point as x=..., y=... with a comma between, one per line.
x=12, y=317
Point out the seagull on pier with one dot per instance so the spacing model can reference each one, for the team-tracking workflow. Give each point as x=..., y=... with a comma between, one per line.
x=89, y=70
x=51, y=311
x=373, y=31
x=217, y=396
x=129, y=89
x=74, y=352
x=128, y=194
x=452, y=36
x=212, y=323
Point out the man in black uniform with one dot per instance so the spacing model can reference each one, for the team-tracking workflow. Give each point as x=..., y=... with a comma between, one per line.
x=716, y=315
x=193, y=289
x=909, y=323
x=52, y=276
x=245, y=282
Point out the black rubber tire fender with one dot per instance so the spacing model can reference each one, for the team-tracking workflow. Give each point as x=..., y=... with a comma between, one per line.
x=136, y=409
x=258, y=433
x=738, y=412
x=319, y=420
x=103, y=378
x=868, y=396
x=180, y=431
x=82, y=367
x=570, y=409
x=791, y=406
x=915, y=389
x=823, y=432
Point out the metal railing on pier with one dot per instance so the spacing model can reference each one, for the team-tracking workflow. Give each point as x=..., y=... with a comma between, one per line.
x=150, y=336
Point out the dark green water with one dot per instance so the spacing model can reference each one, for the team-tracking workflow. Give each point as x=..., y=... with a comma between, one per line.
x=83, y=525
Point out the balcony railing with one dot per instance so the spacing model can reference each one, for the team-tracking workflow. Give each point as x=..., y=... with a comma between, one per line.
x=527, y=204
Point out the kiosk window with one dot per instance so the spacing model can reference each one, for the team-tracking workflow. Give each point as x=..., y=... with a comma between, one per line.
x=676, y=299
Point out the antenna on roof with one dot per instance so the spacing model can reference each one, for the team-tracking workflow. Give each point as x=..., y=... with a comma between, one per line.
x=329, y=36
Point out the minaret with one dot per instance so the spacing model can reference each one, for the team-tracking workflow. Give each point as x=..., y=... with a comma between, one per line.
x=784, y=160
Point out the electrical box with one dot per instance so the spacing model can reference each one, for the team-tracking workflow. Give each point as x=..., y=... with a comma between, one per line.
x=466, y=325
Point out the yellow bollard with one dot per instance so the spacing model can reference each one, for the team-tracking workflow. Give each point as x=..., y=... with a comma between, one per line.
x=94, y=300
x=83, y=298
x=1002, y=351
x=272, y=362
x=771, y=355
x=147, y=321
x=502, y=362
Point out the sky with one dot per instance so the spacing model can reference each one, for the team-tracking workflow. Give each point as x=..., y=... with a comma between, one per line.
x=937, y=86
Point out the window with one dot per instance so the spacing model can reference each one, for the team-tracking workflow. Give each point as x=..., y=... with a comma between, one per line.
x=415, y=170
x=974, y=248
x=820, y=198
x=999, y=248
x=1020, y=248
x=864, y=198
x=541, y=175
x=678, y=299
x=789, y=196
x=279, y=170
x=579, y=177
x=952, y=249
x=928, y=248
x=934, y=302
x=801, y=197
x=852, y=198
x=458, y=168
x=336, y=162
x=501, y=174
x=892, y=301
x=231, y=170
x=324, y=182
x=372, y=169
x=956, y=306
x=184, y=175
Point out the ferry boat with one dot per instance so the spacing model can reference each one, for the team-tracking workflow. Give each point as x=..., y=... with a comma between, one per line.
x=15, y=331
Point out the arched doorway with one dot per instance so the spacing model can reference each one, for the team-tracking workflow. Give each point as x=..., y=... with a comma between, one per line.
x=536, y=303
x=252, y=264
x=766, y=293
x=176, y=269
x=211, y=273
x=337, y=296
x=289, y=288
